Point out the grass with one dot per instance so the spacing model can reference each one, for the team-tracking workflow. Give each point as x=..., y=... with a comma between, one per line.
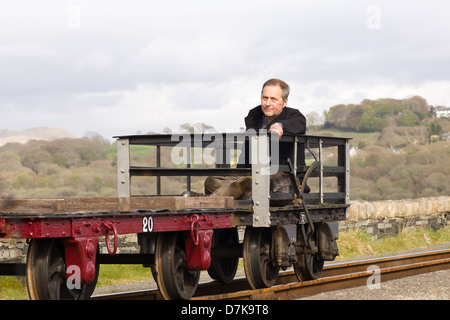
x=137, y=150
x=122, y=273
x=352, y=243
x=355, y=243
x=13, y=288
x=340, y=133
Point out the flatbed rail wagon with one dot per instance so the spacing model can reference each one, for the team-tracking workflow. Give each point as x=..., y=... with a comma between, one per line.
x=180, y=235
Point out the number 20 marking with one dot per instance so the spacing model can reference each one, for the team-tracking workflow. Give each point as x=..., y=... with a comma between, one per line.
x=147, y=224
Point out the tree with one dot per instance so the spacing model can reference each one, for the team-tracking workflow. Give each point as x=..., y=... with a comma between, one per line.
x=435, y=128
x=369, y=122
x=418, y=105
x=345, y=117
x=392, y=138
x=167, y=130
x=335, y=117
x=387, y=107
x=374, y=115
x=355, y=114
x=33, y=156
x=198, y=127
x=96, y=137
x=313, y=118
x=187, y=128
x=408, y=119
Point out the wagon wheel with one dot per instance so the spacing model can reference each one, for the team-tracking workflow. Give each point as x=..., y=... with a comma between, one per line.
x=309, y=266
x=174, y=279
x=258, y=266
x=224, y=269
x=46, y=273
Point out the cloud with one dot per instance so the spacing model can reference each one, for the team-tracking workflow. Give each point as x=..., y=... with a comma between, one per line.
x=25, y=67
x=174, y=60
x=153, y=106
x=145, y=66
x=96, y=62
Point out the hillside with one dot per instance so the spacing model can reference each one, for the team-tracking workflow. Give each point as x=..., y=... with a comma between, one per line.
x=402, y=158
x=39, y=133
x=396, y=164
x=87, y=168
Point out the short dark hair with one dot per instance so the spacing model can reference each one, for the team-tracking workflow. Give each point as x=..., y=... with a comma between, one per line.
x=277, y=82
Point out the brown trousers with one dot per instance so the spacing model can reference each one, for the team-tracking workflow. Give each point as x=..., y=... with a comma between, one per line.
x=241, y=187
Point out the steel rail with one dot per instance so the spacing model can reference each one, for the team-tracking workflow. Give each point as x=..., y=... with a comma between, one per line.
x=334, y=277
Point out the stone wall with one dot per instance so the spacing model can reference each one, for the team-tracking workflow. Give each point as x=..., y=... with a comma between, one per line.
x=363, y=210
x=13, y=250
x=378, y=218
x=386, y=218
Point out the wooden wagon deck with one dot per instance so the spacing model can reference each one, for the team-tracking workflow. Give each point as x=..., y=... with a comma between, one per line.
x=67, y=205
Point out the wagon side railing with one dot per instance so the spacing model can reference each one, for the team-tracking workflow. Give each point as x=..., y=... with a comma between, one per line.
x=329, y=182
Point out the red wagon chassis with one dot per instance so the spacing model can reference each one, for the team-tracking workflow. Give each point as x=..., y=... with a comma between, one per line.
x=80, y=232
x=83, y=225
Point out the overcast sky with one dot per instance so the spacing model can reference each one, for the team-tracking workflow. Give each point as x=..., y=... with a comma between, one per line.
x=119, y=67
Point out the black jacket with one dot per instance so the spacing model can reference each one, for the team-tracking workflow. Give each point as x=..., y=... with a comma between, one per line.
x=293, y=122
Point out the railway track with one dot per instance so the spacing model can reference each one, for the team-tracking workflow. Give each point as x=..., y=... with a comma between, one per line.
x=334, y=277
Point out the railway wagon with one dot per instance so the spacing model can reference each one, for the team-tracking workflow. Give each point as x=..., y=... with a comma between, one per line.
x=180, y=235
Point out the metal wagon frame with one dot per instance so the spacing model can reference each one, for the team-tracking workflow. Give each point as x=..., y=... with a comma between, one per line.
x=67, y=230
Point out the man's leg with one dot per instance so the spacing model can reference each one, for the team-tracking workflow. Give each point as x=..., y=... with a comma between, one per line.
x=227, y=186
x=216, y=182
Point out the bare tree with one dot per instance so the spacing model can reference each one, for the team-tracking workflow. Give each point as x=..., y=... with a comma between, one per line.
x=314, y=118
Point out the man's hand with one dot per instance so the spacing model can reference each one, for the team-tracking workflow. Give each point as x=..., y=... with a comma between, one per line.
x=277, y=128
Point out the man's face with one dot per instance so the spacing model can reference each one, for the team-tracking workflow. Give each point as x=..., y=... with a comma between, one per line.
x=272, y=102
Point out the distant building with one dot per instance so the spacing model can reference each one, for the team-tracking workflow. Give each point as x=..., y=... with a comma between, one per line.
x=446, y=136
x=434, y=138
x=353, y=151
x=441, y=112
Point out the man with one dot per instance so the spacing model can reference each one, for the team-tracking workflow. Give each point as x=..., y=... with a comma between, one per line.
x=274, y=116
x=273, y=113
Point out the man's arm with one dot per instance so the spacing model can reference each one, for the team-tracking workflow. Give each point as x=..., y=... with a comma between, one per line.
x=277, y=127
x=294, y=123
